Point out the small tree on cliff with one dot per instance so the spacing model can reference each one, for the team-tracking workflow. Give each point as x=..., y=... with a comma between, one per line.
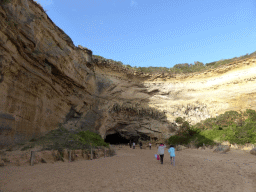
x=179, y=120
x=184, y=129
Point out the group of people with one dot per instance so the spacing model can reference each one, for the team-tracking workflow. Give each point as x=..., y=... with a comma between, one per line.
x=133, y=145
x=171, y=151
x=161, y=148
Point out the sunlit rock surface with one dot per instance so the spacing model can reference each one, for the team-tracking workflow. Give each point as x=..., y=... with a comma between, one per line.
x=45, y=80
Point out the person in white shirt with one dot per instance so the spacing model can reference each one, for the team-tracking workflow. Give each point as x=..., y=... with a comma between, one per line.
x=161, y=152
x=133, y=145
x=150, y=146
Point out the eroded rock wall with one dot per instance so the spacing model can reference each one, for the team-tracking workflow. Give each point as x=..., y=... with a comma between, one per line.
x=199, y=96
x=195, y=96
x=43, y=75
x=46, y=80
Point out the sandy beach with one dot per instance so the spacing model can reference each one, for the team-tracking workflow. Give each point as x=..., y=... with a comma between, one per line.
x=138, y=170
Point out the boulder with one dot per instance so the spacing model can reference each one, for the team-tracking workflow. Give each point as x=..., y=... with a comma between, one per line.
x=46, y=156
x=1, y=163
x=210, y=147
x=24, y=159
x=65, y=154
x=226, y=143
x=234, y=146
x=86, y=155
x=6, y=160
x=78, y=154
x=43, y=160
x=192, y=146
x=180, y=148
x=99, y=153
x=57, y=155
x=38, y=159
x=248, y=147
x=222, y=148
x=253, y=151
x=15, y=159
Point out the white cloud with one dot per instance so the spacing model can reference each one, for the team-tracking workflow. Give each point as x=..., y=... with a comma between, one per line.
x=133, y=3
x=44, y=3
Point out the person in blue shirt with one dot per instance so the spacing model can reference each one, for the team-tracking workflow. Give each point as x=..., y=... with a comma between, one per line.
x=171, y=150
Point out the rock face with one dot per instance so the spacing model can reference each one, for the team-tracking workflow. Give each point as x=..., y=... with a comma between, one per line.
x=180, y=148
x=46, y=80
x=2, y=163
x=253, y=151
x=44, y=77
x=222, y=148
x=21, y=158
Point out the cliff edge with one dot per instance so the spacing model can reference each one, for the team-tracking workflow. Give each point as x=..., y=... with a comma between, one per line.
x=46, y=80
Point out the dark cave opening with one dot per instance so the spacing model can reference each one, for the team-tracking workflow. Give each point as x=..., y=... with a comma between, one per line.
x=144, y=137
x=116, y=138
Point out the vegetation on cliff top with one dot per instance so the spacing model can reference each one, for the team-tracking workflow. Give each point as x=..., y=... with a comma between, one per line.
x=232, y=126
x=178, y=68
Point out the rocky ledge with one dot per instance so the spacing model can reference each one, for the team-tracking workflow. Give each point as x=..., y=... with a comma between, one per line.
x=46, y=80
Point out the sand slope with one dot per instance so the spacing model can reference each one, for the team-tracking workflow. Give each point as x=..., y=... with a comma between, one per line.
x=138, y=170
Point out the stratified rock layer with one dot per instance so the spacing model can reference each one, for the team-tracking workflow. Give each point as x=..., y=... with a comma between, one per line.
x=46, y=80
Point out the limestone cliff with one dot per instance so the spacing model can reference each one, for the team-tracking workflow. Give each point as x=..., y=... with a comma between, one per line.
x=46, y=80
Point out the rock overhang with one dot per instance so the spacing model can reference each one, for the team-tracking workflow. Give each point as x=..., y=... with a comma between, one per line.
x=39, y=99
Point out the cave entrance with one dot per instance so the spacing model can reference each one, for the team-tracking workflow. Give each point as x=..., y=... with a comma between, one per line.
x=116, y=139
x=144, y=137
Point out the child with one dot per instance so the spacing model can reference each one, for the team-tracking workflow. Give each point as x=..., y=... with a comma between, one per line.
x=172, y=154
x=150, y=146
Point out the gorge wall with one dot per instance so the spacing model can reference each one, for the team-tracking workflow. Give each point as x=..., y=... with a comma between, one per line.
x=46, y=80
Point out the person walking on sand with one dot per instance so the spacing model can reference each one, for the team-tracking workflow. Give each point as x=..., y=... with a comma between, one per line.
x=161, y=152
x=133, y=145
x=150, y=146
x=130, y=143
x=140, y=145
x=171, y=150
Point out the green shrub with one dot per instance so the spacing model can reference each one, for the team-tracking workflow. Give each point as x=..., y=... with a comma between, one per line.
x=208, y=123
x=90, y=138
x=62, y=138
x=210, y=64
x=200, y=126
x=178, y=68
x=251, y=113
x=245, y=134
x=201, y=140
x=178, y=140
x=179, y=120
x=185, y=128
x=230, y=126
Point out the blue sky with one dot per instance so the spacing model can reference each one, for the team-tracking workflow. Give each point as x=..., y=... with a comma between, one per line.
x=158, y=33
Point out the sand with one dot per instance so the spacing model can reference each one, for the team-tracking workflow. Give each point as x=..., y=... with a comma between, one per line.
x=138, y=170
